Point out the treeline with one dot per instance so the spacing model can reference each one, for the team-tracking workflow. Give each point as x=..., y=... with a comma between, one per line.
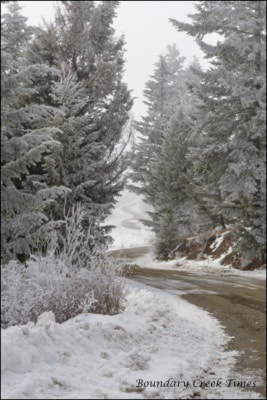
x=201, y=158
x=64, y=106
x=200, y=161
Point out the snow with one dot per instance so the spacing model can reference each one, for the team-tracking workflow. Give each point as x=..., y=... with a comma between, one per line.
x=207, y=266
x=157, y=337
x=129, y=231
x=159, y=341
x=218, y=241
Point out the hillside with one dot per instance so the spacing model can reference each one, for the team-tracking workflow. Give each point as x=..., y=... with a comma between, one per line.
x=217, y=246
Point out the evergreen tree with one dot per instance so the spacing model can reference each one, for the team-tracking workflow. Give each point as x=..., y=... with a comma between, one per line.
x=27, y=138
x=179, y=210
x=232, y=160
x=94, y=102
x=173, y=216
x=161, y=98
x=163, y=168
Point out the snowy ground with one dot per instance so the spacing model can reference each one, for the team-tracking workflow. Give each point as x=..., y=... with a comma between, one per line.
x=207, y=266
x=129, y=231
x=160, y=346
x=159, y=337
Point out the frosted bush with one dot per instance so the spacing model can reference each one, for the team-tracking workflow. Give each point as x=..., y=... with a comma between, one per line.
x=47, y=284
x=68, y=282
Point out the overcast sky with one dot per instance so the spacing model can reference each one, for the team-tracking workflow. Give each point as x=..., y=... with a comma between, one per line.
x=147, y=32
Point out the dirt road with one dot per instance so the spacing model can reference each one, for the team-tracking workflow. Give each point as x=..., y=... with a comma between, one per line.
x=237, y=302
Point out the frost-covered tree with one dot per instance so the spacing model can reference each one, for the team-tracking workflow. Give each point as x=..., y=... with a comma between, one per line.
x=173, y=205
x=163, y=168
x=161, y=98
x=94, y=102
x=179, y=210
x=231, y=162
x=28, y=137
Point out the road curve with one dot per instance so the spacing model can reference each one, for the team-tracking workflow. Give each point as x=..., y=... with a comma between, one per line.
x=237, y=302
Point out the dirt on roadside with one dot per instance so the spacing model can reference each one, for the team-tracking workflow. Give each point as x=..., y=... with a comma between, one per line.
x=244, y=319
x=239, y=304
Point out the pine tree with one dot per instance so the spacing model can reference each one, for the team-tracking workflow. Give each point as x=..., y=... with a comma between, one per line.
x=179, y=210
x=27, y=138
x=94, y=102
x=163, y=168
x=232, y=160
x=161, y=98
x=174, y=206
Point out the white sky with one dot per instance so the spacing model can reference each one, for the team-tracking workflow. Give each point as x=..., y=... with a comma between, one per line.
x=147, y=32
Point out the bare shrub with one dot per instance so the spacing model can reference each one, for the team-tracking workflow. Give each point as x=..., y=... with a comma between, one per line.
x=107, y=290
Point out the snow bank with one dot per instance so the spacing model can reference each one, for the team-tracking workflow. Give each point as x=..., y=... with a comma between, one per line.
x=158, y=337
x=207, y=266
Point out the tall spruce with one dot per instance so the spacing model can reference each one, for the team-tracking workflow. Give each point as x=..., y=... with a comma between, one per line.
x=179, y=211
x=232, y=161
x=94, y=101
x=163, y=170
x=174, y=207
x=160, y=93
x=28, y=137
